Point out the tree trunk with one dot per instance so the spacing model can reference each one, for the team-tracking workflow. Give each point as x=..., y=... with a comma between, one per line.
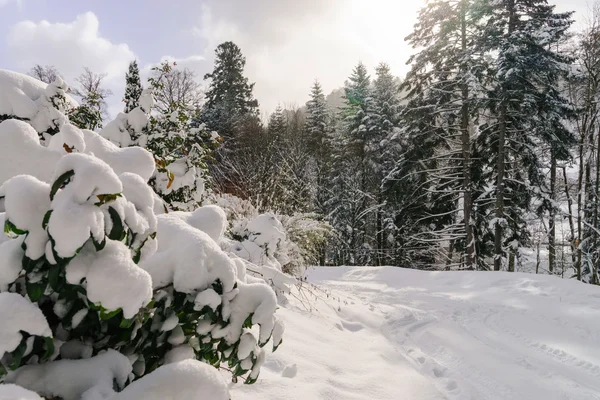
x=450, y=255
x=580, y=204
x=537, y=264
x=552, y=216
x=511, y=261
x=570, y=217
x=595, y=203
x=466, y=153
x=379, y=228
x=501, y=154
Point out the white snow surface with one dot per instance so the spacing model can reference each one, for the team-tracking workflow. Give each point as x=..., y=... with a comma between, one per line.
x=188, y=258
x=188, y=379
x=70, y=379
x=391, y=333
x=14, y=392
x=26, y=201
x=21, y=152
x=210, y=219
x=131, y=159
x=11, y=256
x=112, y=278
x=19, y=314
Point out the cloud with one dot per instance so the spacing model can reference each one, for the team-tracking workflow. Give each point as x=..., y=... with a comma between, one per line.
x=289, y=44
x=70, y=47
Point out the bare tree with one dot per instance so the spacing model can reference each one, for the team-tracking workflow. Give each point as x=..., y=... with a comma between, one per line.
x=90, y=89
x=176, y=87
x=47, y=74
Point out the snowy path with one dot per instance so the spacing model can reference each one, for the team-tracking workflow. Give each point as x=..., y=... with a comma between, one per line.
x=388, y=333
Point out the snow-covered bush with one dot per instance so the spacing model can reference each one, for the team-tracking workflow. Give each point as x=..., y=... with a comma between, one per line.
x=96, y=289
x=181, y=152
x=275, y=252
x=308, y=236
x=288, y=242
x=43, y=106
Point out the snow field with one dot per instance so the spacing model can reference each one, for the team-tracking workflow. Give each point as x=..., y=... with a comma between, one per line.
x=390, y=333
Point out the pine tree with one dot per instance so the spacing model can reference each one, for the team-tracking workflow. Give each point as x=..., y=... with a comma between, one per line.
x=382, y=146
x=355, y=112
x=318, y=127
x=229, y=95
x=277, y=123
x=133, y=87
x=351, y=207
x=433, y=176
x=317, y=119
x=527, y=109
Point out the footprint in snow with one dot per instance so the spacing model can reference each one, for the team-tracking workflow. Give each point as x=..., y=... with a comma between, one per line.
x=352, y=326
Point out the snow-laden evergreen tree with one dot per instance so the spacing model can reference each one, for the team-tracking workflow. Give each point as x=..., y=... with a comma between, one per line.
x=277, y=123
x=350, y=209
x=133, y=87
x=318, y=127
x=317, y=120
x=355, y=113
x=527, y=110
x=433, y=176
x=229, y=95
x=383, y=149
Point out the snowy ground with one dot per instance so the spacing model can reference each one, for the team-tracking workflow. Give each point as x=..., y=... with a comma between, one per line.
x=390, y=333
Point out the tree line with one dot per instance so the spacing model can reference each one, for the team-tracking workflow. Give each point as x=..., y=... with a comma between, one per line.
x=478, y=155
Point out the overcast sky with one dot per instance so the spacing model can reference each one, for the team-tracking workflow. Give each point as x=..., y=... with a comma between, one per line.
x=287, y=43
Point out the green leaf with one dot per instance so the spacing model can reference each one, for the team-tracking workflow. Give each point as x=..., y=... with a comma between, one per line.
x=54, y=278
x=248, y=321
x=62, y=180
x=126, y=323
x=49, y=342
x=11, y=230
x=106, y=315
x=250, y=381
x=46, y=218
x=105, y=198
x=99, y=245
x=35, y=290
x=17, y=355
x=117, y=232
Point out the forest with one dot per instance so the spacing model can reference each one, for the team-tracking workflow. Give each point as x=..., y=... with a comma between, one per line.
x=483, y=157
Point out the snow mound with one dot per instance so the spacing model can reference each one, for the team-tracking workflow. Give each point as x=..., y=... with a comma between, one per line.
x=210, y=219
x=70, y=379
x=19, y=315
x=14, y=392
x=21, y=152
x=130, y=159
x=19, y=94
x=113, y=280
x=188, y=258
x=189, y=379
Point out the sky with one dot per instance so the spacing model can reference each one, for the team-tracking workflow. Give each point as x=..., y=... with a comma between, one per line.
x=287, y=43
